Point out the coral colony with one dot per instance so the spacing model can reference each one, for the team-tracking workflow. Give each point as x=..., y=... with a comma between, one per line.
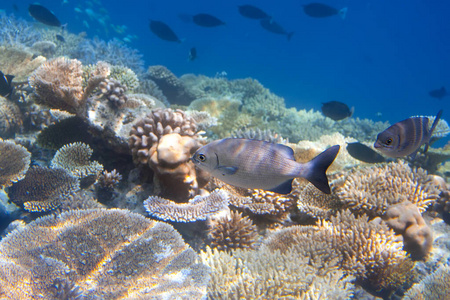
x=102, y=199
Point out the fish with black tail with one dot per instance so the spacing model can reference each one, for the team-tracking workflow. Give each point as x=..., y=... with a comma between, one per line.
x=320, y=10
x=43, y=15
x=364, y=153
x=163, y=31
x=272, y=26
x=438, y=93
x=337, y=110
x=252, y=12
x=256, y=164
x=405, y=137
x=207, y=20
x=6, y=84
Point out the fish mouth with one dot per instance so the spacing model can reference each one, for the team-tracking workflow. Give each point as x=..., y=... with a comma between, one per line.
x=377, y=145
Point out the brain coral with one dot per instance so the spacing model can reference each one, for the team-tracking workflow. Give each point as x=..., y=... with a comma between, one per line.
x=14, y=162
x=99, y=254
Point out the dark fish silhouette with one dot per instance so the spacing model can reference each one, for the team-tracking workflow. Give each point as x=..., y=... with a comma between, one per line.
x=206, y=20
x=406, y=137
x=439, y=93
x=272, y=26
x=43, y=15
x=192, y=54
x=60, y=38
x=319, y=10
x=5, y=84
x=252, y=12
x=263, y=165
x=15, y=7
x=336, y=110
x=363, y=153
x=163, y=31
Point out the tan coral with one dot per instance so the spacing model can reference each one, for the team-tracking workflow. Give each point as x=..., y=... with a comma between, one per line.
x=108, y=179
x=371, y=190
x=11, y=119
x=198, y=208
x=434, y=286
x=14, y=162
x=19, y=63
x=98, y=253
x=228, y=233
x=42, y=189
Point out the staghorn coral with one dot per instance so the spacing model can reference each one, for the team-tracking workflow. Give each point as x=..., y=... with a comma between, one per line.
x=109, y=179
x=263, y=274
x=170, y=85
x=98, y=253
x=434, y=286
x=59, y=84
x=19, y=62
x=75, y=158
x=406, y=220
x=42, y=189
x=228, y=233
x=14, y=162
x=368, y=250
x=11, y=119
x=198, y=208
x=371, y=190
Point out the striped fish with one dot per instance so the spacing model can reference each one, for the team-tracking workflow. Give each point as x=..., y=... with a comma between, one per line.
x=405, y=137
x=263, y=165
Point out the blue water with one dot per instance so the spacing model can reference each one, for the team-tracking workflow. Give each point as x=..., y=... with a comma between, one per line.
x=384, y=57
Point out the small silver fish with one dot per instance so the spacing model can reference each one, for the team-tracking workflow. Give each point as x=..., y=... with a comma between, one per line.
x=405, y=137
x=263, y=165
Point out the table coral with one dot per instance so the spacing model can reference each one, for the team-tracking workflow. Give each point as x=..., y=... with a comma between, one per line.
x=18, y=62
x=42, y=189
x=197, y=208
x=14, y=162
x=98, y=253
x=11, y=118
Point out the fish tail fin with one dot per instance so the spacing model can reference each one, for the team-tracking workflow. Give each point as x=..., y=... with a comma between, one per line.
x=343, y=12
x=317, y=167
x=289, y=35
x=436, y=121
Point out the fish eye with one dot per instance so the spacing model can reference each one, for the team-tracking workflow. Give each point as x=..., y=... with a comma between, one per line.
x=389, y=141
x=201, y=157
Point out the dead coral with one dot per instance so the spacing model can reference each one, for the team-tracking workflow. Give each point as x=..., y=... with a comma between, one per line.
x=406, y=220
x=372, y=190
x=104, y=254
x=14, y=162
x=11, y=119
x=42, y=189
x=264, y=274
x=232, y=232
x=59, y=84
x=198, y=208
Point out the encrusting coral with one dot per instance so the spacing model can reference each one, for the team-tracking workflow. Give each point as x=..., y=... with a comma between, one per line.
x=99, y=254
x=197, y=208
x=42, y=189
x=231, y=232
x=14, y=162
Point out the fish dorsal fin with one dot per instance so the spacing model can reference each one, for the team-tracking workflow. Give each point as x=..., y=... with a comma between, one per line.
x=436, y=121
x=286, y=151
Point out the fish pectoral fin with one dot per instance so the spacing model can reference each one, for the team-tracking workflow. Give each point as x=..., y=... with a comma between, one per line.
x=227, y=170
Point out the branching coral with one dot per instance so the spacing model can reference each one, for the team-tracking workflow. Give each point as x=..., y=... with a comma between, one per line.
x=75, y=158
x=14, y=162
x=42, y=189
x=11, y=118
x=109, y=180
x=264, y=274
x=232, y=232
x=107, y=254
x=198, y=208
x=372, y=190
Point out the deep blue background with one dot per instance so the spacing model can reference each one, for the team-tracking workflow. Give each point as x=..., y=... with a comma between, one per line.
x=384, y=57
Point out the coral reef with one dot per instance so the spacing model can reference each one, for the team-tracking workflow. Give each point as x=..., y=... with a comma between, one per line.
x=64, y=132
x=170, y=85
x=75, y=158
x=42, y=189
x=264, y=274
x=434, y=286
x=109, y=254
x=372, y=190
x=406, y=220
x=114, y=92
x=228, y=233
x=17, y=32
x=109, y=180
x=14, y=162
x=11, y=118
x=19, y=62
x=258, y=134
x=125, y=76
x=202, y=118
x=44, y=48
x=198, y=208
x=149, y=87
